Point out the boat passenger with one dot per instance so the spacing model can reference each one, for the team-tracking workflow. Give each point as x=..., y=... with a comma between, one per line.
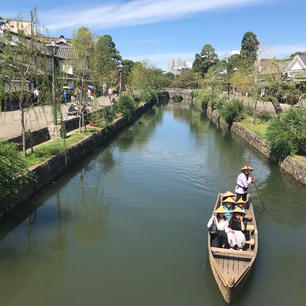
x=236, y=227
x=228, y=206
x=244, y=179
x=219, y=240
x=241, y=204
x=228, y=194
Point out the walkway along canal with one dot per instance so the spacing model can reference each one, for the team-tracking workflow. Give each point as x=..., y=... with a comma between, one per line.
x=127, y=225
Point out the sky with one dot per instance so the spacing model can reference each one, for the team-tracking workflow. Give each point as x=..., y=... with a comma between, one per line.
x=157, y=30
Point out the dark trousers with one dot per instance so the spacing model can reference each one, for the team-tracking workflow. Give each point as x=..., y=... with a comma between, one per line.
x=243, y=196
x=219, y=239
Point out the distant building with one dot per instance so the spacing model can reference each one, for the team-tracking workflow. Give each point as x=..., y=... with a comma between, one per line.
x=233, y=52
x=177, y=65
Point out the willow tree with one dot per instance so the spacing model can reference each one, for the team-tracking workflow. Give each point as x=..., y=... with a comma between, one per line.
x=23, y=64
x=81, y=59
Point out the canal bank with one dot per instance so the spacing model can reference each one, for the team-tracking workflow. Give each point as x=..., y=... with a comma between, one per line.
x=55, y=166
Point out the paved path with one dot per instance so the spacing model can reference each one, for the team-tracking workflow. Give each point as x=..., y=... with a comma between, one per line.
x=36, y=118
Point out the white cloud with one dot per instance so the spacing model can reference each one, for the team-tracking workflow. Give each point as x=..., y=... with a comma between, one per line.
x=279, y=51
x=266, y=51
x=132, y=13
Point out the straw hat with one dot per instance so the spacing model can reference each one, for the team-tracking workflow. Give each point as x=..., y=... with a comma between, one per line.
x=229, y=200
x=247, y=168
x=220, y=210
x=228, y=194
x=238, y=210
x=240, y=201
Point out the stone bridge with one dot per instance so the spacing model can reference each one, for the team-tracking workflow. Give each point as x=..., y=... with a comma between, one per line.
x=177, y=95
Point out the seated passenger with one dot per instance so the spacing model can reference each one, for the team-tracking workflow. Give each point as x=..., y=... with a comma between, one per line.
x=241, y=204
x=228, y=206
x=228, y=194
x=219, y=240
x=236, y=227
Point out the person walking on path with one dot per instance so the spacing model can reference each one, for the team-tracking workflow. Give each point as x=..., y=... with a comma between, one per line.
x=110, y=93
x=244, y=179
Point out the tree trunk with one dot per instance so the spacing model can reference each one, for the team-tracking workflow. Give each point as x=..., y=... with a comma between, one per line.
x=23, y=131
x=276, y=106
x=255, y=112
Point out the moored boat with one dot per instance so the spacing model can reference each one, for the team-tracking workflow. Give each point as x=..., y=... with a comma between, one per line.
x=231, y=267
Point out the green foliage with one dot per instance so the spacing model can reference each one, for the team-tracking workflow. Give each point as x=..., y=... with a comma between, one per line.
x=264, y=116
x=14, y=171
x=249, y=48
x=204, y=97
x=232, y=111
x=205, y=59
x=233, y=64
x=126, y=106
x=103, y=117
x=187, y=79
x=279, y=139
x=106, y=59
x=287, y=134
x=177, y=99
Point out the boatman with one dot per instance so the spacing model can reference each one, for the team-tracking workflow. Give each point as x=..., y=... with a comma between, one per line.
x=244, y=179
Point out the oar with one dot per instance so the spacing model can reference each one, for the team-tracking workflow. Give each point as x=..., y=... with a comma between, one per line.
x=262, y=203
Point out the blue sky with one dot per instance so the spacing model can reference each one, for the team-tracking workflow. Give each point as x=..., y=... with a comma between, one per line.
x=161, y=29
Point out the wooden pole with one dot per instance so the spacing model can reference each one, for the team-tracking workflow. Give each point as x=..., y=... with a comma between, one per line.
x=261, y=201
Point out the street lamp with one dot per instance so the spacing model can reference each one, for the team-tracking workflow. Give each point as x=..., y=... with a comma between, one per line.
x=120, y=67
x=52, y=46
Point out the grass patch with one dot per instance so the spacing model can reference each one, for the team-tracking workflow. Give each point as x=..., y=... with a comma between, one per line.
x=56, y=146
x=259, y=128
x=300, y=158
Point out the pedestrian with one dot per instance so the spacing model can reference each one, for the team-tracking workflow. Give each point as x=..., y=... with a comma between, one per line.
x=244, y=179
x=110, y=93
x=36, y=94
x=65, y=96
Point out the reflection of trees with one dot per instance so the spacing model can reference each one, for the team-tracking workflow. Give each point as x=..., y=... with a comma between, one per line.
x=285, y=204
x=195, y=118
x=23, y=266
x=138, y=134
x=91, y=222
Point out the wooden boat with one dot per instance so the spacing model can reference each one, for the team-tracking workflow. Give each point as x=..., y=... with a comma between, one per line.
x=231, y=267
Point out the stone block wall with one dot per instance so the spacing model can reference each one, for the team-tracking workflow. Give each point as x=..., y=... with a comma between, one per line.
x=36, y=137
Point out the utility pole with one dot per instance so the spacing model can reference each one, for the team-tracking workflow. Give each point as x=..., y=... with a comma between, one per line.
x=52, y=47
x=120, y=67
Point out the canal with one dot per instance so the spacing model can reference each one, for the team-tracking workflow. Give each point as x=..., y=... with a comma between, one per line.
x=127, y=225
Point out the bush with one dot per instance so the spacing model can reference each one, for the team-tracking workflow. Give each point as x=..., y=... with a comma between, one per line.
x=14, y=171
x=287, y=134
x=125, y=105
x=279, y=139
x=232, y=110
x=295, y=121
x=103, y=117
x=264, y=116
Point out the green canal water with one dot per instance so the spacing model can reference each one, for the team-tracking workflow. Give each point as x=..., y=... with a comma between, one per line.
x=127, y=225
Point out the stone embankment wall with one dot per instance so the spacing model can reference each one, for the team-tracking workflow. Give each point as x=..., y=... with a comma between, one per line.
x=290, y=164
x=55, y=166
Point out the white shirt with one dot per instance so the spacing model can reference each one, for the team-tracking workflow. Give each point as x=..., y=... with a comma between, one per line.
x=36, y=92
x=243, y=182
x=222, y=225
